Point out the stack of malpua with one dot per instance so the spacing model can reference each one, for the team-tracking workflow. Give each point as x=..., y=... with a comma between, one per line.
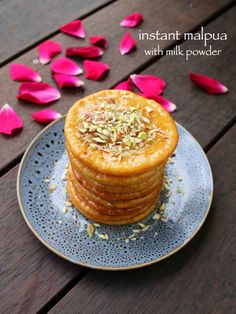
x=118, y=144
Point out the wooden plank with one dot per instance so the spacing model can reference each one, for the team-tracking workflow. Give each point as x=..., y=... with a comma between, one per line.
x=30, y=274
x=22, y=23
x=180, y=15
x=199, y=279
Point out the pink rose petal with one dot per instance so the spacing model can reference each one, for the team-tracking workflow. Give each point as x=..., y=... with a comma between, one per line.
x=23, y=73
x=84, y=52
x=148, y=84
x=99, y=41
x=165, y=103
x=94, y=69
x=125, y=85
x=73, y=28
x=47, y=50
x=39, y=93
x=64, y=80
x=208, y=84
x=132, y=20
x=65, y=66
x=9, y=120
x=46, y=116
x=127, y=44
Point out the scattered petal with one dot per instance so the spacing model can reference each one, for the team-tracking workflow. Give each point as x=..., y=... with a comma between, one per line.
x=165, y=103
x=132, y=20
x=208, y=84
x=84, y=52
x=64, y=80
x=23, y=73
x=39, y=93
x=9, y=120
x=125, y=85
x=148, y=84
x=127, y=44
x=99, y=41
x=94, y=69
x=65, y=66
x=46, y=116
x=73, y=28
x=47, y=50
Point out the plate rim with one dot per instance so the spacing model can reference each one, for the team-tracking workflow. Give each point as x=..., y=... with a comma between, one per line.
x=116, y=268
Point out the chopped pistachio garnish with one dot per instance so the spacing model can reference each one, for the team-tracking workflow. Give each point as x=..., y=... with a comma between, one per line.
x=179, y=190
x=136, y=230
x=126, y=240
x=103, y=236
x=145, y=228
x=118, y=129
x=52, y=187
x=67, y=203
x=157, y=216
x=180, y=178
x=46, y=180
x=141, y=225
x=90, y=230
x=64, y=176
x=65, y=209
x=162, y=208
x=96, y=225
x=164, y=219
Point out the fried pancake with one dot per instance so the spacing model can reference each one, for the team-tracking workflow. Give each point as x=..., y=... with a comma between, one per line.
x=105, y=219
x=118, y=196
x=114, y=212
x=119, y=189
x=98, y=128
x=109, y=179
x=131, y=204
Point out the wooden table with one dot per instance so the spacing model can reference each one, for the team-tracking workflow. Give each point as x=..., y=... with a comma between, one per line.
x=201, y=277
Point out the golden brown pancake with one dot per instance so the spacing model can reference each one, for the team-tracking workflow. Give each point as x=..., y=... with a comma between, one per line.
x=132, y=204
x=109, y=179
x=113, y=102
x=105, y=219
x=118, y=144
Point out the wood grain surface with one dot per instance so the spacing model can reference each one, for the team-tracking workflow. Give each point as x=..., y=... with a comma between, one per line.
x=24, y=22
x=181, y=16
x=198, y=279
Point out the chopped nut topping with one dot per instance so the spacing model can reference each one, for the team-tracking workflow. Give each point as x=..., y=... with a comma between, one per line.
x=90, y=230
x=103, y=236
x=118, y=129
x=52, y=188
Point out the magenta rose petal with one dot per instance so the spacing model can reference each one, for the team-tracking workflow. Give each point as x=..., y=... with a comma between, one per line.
x=9, y=120
x=64, y=80
x=132, y=20
x=74, y=28
x=127, y=44
x=99, y=41
x=84, y=52
x=148, y=84
x=46, y=116
x=125, y=85
x=65, y=65
x=47, y=50
x=208, y=84
x=165, y=103
x=39, y=93
x=94, y=69
x=23, y=73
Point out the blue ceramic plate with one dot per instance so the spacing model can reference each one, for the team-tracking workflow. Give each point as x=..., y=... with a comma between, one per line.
x=41, y=189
